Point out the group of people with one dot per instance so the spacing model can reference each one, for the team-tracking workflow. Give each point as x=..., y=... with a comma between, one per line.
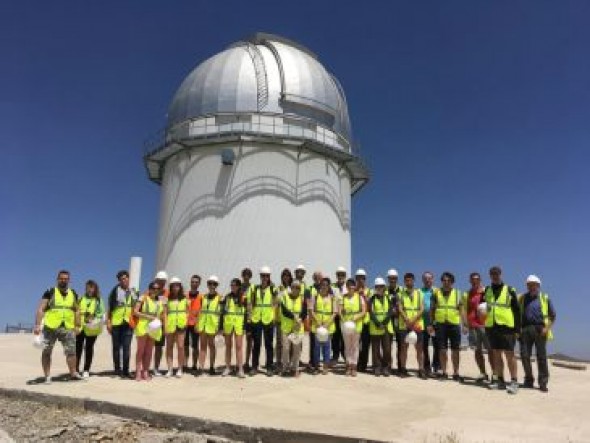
x=342, y=319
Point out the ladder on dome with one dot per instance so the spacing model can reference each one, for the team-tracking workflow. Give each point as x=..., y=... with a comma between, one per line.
x=261, y=77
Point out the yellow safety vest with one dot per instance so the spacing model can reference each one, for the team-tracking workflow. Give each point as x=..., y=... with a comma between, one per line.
x=61, y=310
x=368, y=293
x=177, y=315
x=209, y=315
x=411, y=306
x=122, y=312
x=352, y=306
x=233, y=318
x=263, y=309
x=91, y=308
x=447, y=308
x=324, y=309
x=499, y=310
x=149, y=307
x=295, y=305
x=380, y=308
x=544, y=300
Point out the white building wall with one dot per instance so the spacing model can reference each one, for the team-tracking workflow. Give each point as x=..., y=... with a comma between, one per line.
x=273, y=207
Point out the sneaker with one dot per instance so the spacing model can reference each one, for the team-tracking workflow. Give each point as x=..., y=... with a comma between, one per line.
x=456, y=377
x=422, y=375
x=377, y=372
x=253, y=372
x=528, y=384
x=225, y=372
x=47, y=380
x=211, y=370
x=169, y=373
x=179, y=373
x=494, y=384
x=269, y=372
x=512, y=387
x=442, y=376
x=386, y=372
x=157, y=373
x=481, y=379
x=76, y=376
x=86, y=375
x=241, y=374
x=544, y=389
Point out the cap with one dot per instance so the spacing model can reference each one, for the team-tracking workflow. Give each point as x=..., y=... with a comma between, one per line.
x=265, y=270
x=392, y=273
x=213, y=278
x=341, y=270
x=533, y=279
x=175, y=280
x=300, y=268
x=379, y=282
x=360, y=273
x=161, y=275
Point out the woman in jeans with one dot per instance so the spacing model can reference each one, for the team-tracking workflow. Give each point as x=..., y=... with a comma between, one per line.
x=323, y=312
x=91, y=312
x=147, y=309
x=353, y=310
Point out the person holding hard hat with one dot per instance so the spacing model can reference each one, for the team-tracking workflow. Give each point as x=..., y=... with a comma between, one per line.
x=121, y=301
x=283, y=289
x=247, y=290
x=92, y=310
x=502, y=320
x=393, y=291
x=352, y=315
x=148, y=312
x=411, y=323
x=381, y=328
x=323, y=312
x=427, y=290
x=365, y=292
x=311, y=293
x=58, y=318
x=475, y=325
x=175, y=323
x=162, y=280
x=339, y=289
x=293, y=311
x=234, y=309
x=209, y=324
x=263, y=303
x=446, y=311
x=191, y=337
x=538, y=317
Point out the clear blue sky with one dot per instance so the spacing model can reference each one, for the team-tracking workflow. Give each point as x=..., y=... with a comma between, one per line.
x=473, y=116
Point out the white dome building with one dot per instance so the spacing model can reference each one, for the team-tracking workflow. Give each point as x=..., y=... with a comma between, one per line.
x=257, y=165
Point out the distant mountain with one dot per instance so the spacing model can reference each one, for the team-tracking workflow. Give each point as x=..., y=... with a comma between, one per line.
x=563, y=357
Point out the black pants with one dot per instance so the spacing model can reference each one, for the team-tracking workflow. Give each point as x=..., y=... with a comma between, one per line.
x=365, y=348
x=260, y=330
x=84, y=343
x=122, y=336
x=429, y=365
x=337, y=341
x=312, y=345
x=399, y=339
x=191, y=341
x=381, y=345
x=531, y=336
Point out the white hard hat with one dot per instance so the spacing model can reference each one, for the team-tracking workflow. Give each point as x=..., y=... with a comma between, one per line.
x=175, y=280
x=161, y=275
x=360, y=273
x=482, y=308
x=213, y=278
x=265, y=270
x=379, y=282
x=299, y=268
x=340, y=269
x=392, y=273
x=533, y=279
x=154, y=325
x=38, y=341
x=322, y=334
x=348, y=327
x=411, y=338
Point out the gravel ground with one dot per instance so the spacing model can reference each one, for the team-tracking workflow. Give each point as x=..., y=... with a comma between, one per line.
x=26, y=421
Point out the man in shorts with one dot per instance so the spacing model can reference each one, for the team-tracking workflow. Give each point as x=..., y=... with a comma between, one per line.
x=58, y=318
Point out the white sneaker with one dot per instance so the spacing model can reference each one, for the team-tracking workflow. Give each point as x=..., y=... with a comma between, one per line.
x=47, y=380
x=179, y=373
x=76, y=376
x=512, y=388
x=86, y=375
x=241, y=374
x=225, y=372
x=169, y=373
x=157, y=373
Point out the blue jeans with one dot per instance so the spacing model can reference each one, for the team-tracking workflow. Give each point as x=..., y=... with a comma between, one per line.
x=324, y=349
x=122, y=336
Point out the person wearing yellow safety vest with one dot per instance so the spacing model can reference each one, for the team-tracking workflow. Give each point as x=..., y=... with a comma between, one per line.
x=365, y=292
x=538, y=317
x=233, y=317
x=393, y=291
x=286, y=280
x=293, y=311
x=92, y=311
x=323, y=311
x=446, y=313
x=121, y=300
x=161, y=279
x=262, y=306
x=381, y=328
x=175, y=324
x=310, y=294
x=502, y=320
x=352, y=312
x=411, y=307
x=247, y=289
x=430, y=365
x=58, y=318
x=339, y=289
x=146, y=310
x=209, y=324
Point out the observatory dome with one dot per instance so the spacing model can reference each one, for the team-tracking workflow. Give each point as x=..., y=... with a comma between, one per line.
x=265, y=74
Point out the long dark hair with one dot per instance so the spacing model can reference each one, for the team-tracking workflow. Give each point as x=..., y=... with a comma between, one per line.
x=181, y=295
x=287, y=273
x=93, y=284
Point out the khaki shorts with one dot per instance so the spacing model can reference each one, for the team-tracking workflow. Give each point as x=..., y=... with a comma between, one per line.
x=66, y=337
